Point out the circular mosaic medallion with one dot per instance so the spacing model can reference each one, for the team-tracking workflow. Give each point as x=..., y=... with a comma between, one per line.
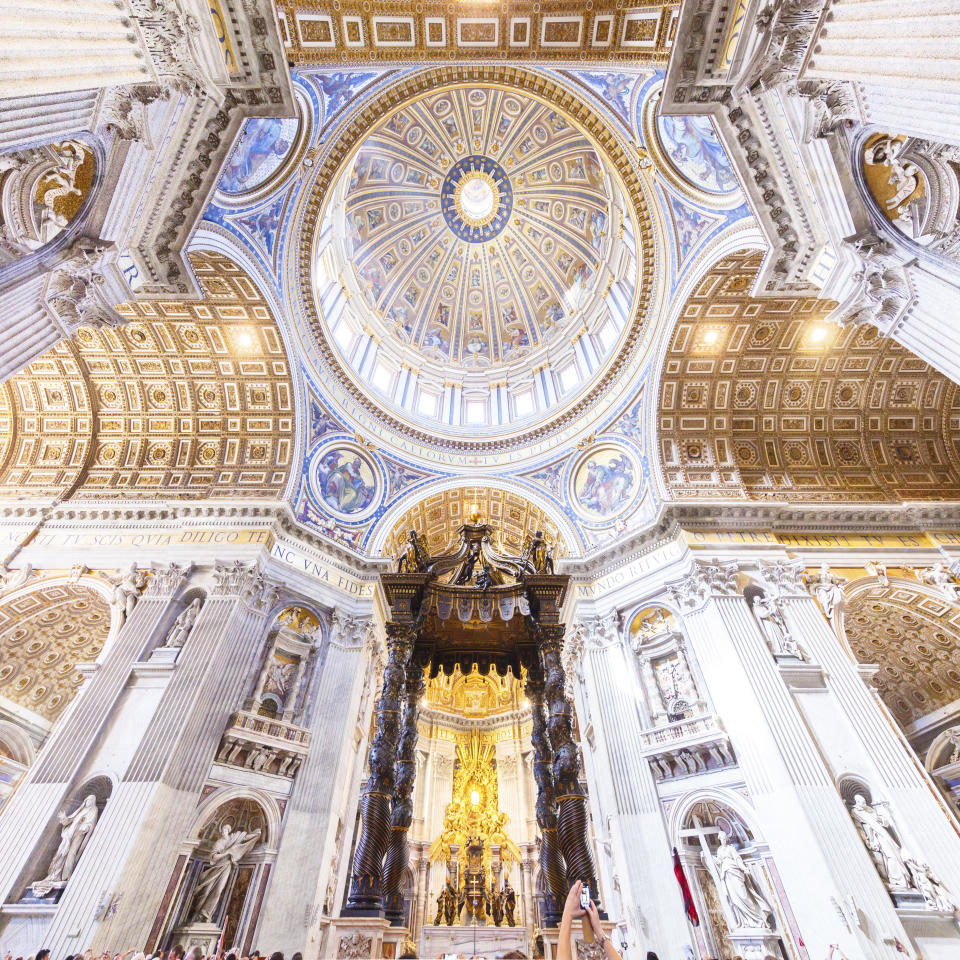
x=344, y=481
x=476, y=199
x=606, y=482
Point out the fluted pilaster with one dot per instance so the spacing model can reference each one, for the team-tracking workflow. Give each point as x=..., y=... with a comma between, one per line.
x=798, y=809
x=308, y=853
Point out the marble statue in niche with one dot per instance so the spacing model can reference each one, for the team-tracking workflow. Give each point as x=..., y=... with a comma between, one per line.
x=178, y=633
x=747, y=905
x=226, y=854
x=877, y=831
x=74, y=837
x=774, y=627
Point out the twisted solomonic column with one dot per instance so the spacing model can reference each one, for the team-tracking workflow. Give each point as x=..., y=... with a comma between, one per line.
x=572, y=822
x=365, y=897
x=551, y=863
x=402, y=813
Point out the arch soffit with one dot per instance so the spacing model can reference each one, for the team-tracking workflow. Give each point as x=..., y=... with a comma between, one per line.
x=743, y=235
x=103, y=413
x=19, y=741
x=343, y=141
x=720, y=795
x=794, y=408
x=213, y=238
x=387, y=525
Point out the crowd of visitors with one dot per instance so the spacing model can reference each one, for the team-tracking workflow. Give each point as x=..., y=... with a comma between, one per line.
x=572, y=910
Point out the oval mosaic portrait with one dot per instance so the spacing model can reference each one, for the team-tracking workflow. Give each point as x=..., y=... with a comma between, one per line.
x=344, y=481
x=606, y=482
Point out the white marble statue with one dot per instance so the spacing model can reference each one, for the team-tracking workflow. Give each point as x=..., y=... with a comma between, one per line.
x=126, y=590
x=828, y=591
x=941, y=577
x=74, y=836
x=774, y=628
x=748, y=906
x=226, y=854
x=12, y=579
x=935, y=894
x=877, y=831
x=878, y=570
x=182, y=626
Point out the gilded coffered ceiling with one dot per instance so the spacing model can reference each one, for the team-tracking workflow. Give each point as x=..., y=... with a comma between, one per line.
x=764, y=399
x=188, y=399
x=361, y=32
x=44, y=634
x=914, y=638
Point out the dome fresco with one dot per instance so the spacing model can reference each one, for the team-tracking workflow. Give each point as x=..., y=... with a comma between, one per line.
x=481, y=233
x=476, y=303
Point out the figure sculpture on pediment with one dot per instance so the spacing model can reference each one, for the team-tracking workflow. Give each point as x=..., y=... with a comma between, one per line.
x=877, y=831
x=74, y=836
x=126, y=590
x=178, y=633
x=941, y=577
x=878, y=570
x=828, y=592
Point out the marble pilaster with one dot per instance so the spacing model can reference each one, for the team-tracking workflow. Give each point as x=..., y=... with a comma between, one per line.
x=301, y=870
x=797, y=806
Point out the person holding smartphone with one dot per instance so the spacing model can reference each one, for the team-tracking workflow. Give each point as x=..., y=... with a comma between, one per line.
x=579, y=904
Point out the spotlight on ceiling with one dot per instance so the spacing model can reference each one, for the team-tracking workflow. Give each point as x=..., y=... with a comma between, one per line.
x=818, y=334
x=710, y=337
x=244, y=340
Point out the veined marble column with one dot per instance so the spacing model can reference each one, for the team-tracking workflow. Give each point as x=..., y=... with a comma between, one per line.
x=815, y=845
x=45, y=786
x=304, y=858
x=138, y=839
x=897, y=776
x=634, y=814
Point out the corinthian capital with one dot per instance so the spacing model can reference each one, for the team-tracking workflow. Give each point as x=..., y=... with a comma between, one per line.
x=712, y=578
x=784, y=577
x=350, y=633
x=167, y=579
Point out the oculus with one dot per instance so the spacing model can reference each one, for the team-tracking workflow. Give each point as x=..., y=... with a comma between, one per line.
x=476, y=199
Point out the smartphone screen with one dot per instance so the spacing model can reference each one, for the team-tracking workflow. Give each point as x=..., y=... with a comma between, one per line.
x=584, y=897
